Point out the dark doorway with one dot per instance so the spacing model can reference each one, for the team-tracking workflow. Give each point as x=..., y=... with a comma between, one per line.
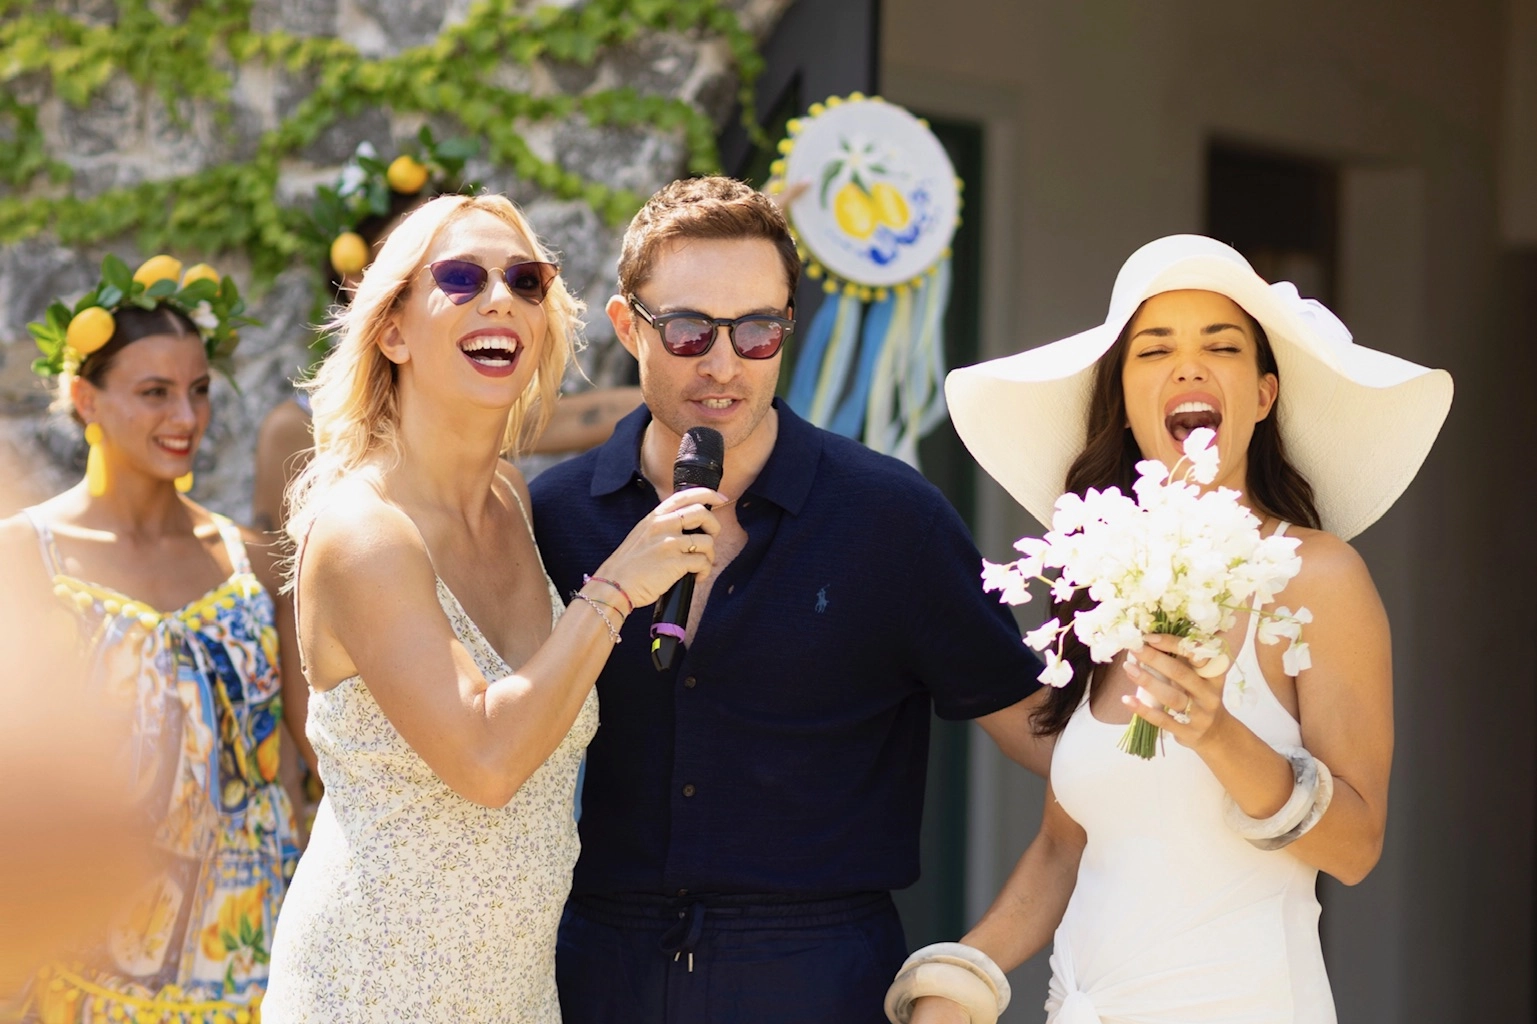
x=1280, y=211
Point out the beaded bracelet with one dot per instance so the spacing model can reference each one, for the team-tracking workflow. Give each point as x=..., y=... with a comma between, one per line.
x=598, y=606
x=599, y=579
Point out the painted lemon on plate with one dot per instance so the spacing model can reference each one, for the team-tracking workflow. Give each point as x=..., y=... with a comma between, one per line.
x=890, y=206
x=859, y=212
x=854, y=211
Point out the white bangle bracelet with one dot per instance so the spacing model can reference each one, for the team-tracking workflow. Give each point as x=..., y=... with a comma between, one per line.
x=1321, y=800
x=1312, y=785
x=947, y=980
x=905, y=988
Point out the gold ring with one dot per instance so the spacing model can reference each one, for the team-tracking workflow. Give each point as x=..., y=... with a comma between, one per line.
x=692, y=547
x=1189, y=703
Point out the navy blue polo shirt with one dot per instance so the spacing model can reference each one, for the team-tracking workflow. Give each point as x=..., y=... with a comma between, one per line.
x=785, y=752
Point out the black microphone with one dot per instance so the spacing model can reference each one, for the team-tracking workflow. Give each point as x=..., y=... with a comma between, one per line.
x=701, y=458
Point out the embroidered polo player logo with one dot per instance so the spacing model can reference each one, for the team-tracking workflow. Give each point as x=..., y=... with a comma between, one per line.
x=822, y=599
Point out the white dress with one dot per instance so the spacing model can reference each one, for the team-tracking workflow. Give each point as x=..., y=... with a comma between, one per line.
x=1175, y=919
x=412, y=903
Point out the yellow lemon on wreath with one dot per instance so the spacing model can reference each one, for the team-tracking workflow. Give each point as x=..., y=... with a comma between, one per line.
x=158, y=268
x=349, y=253
x=201, y=272
x=406, y=175
x=890, y=206
x=854, y=211
x=90, y=329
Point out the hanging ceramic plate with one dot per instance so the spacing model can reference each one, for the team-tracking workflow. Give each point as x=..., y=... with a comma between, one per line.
x=882, y=199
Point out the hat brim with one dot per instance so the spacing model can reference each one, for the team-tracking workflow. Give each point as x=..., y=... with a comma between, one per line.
x=1357, y=423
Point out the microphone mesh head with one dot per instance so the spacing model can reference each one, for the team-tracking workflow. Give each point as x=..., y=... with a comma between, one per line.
x=701, y=459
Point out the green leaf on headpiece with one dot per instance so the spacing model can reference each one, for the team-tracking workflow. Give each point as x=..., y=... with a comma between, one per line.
x=163, y=288
x=110, y=295
x=58, y=317
x=116, y=273
x=201, y=290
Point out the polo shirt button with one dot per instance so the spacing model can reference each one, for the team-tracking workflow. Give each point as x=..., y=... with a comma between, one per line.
x=731, y=589
x=689, y=682
x=682, y=892
x=743, y=503
x=688, y=789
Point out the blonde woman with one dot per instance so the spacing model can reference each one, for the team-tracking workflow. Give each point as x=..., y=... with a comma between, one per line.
x=450, y=697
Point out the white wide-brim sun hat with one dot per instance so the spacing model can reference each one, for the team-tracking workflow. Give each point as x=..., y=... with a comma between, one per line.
x=1356, y=422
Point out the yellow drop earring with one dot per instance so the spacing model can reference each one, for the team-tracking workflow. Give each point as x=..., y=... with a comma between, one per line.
x=95, y=462
x=183, y=483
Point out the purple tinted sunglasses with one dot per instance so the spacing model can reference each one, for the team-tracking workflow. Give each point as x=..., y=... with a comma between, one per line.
x=461, y=280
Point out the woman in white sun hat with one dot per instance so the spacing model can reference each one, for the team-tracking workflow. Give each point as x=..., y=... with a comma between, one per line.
x=1181, y=888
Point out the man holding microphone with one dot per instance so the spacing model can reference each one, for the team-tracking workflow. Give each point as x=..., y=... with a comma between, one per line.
x=750, y=804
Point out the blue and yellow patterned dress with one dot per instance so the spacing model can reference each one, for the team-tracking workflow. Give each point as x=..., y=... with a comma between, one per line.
x=203, y=688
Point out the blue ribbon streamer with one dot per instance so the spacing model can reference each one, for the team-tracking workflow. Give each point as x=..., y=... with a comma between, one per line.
x=808, y=362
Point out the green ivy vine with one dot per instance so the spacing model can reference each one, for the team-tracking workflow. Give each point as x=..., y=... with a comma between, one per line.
x=233, y=206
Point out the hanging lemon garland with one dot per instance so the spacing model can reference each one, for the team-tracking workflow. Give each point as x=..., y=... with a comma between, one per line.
x=878, y=205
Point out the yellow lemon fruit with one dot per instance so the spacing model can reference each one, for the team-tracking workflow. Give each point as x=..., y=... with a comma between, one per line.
x=158, y=268
x=406, y=175
x=890, y=206
x=91, y=328
x=853, y=211
x=201, y=272
x=349, y=253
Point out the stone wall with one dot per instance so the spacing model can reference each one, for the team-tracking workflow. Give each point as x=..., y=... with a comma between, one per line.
x=126, y=135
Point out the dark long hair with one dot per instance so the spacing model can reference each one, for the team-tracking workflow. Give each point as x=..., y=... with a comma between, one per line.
x=1109, y=459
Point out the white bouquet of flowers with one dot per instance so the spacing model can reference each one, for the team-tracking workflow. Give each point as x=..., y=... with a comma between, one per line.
x=1175, y=560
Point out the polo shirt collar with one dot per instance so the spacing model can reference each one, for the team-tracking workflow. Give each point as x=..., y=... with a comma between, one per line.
x=785, y=478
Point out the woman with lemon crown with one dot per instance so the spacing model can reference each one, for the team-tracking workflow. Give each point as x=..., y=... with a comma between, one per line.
x=174, y=607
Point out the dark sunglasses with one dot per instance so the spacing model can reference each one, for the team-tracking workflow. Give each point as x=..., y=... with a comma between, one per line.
x=461, y=280
x=754, y=336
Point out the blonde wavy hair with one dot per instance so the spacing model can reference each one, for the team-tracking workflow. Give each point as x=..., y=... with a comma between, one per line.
x=353, y=394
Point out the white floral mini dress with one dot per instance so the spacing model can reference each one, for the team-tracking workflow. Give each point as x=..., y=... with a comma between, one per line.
x=412, y=903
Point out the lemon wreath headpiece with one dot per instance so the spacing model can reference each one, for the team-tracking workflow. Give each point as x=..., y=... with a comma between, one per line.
x=67, y=336
x=366, y=185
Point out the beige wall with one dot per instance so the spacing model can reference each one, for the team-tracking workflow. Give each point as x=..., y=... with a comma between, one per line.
x=1098, y=115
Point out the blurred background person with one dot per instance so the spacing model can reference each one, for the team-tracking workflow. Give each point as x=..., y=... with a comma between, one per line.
x=175, y=616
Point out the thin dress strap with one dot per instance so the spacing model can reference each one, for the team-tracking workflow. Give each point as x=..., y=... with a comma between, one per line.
x=519, y=499
x=557, y=606
x=240, y=562
x=45, y=542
